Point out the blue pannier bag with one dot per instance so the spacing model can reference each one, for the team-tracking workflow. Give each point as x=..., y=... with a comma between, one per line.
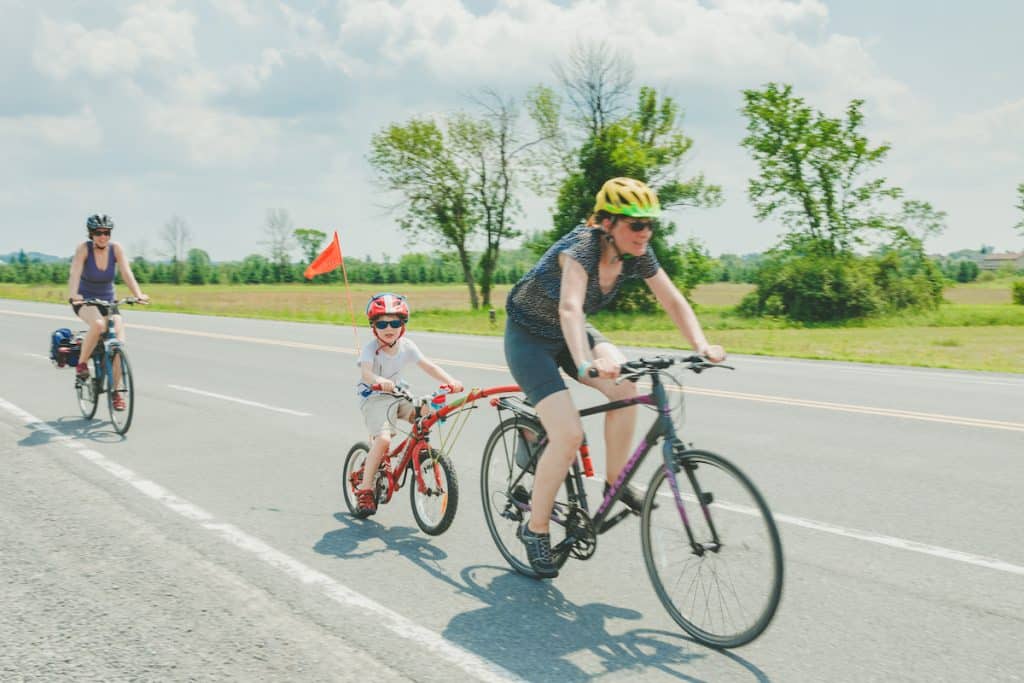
x=61, y=347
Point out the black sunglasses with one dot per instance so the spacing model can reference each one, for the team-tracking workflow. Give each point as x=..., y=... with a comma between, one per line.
x=640, y=226
x=385, y=324
x=101, y=232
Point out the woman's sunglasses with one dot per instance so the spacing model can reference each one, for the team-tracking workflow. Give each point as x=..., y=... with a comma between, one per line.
x=101, y=233
x=385, y=324
x=640, y=226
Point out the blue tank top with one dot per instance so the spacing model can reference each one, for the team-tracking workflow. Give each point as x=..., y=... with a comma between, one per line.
x=96, y=283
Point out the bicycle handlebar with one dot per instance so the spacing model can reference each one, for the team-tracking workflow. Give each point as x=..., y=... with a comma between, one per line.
x=130, y=300
x=634, y=369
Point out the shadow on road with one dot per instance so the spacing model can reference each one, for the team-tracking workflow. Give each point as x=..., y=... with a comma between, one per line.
x=528, y=626
x=531, y=629
x=78, y=428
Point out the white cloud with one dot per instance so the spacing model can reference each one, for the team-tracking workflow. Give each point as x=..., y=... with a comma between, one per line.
x=151, y=32
x=80, y=131
x=213, y=138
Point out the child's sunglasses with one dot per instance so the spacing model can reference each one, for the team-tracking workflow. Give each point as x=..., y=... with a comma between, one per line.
x=385, y=324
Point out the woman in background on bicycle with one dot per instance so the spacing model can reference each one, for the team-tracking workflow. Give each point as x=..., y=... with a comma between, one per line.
x=92, y=277
x=547, y=328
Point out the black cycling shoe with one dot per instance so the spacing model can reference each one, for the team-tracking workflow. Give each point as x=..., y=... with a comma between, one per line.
x=538, y=550
x=632, y=498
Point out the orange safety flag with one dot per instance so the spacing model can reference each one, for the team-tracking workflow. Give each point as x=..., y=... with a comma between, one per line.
x=328, y=260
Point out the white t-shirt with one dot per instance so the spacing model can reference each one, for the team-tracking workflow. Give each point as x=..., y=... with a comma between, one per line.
x=385, y=365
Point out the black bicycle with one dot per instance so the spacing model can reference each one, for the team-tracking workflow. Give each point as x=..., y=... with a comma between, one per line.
x=111, y=373
x=710, y=544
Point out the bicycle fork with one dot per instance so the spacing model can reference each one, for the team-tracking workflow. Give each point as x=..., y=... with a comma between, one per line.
x=673, y=451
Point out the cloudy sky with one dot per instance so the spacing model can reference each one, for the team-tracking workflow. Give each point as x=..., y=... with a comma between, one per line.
x=217, y=110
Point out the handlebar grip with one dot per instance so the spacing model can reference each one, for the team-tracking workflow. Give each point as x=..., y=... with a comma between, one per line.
x=593, y=372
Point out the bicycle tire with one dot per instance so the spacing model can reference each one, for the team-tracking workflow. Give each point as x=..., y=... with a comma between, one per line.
x=88, y=397
x=703, y=592
x=121, y=419
x=352, y=473
x=498, y=472
x=434, y=510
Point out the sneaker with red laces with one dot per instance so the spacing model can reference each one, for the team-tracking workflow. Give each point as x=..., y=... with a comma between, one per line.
x=82, y=371
x=119, y=403
x=366, y=502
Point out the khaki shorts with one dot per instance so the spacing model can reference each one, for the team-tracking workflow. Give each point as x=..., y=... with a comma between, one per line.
x=377, y=410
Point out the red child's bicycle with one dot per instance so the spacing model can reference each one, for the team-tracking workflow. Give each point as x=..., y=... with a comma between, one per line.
x=435, y=491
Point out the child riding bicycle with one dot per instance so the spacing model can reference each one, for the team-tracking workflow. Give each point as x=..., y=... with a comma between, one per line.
x=380, y=363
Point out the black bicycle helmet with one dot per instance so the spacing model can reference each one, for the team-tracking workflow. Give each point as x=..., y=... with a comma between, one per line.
x=97, y=221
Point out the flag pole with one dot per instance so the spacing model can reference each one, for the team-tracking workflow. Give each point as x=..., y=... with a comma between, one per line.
x=351, y=308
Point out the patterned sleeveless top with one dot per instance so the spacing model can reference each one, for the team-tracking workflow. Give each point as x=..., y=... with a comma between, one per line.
x=533, y=302
x=96, y=283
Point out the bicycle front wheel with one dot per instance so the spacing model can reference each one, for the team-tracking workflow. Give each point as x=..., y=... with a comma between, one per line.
x=715, y=559
x=352, y=475
x=506, y=490
x=121, y=397
x=434, y=508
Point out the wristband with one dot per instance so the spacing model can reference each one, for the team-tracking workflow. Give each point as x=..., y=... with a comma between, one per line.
x=582, y=371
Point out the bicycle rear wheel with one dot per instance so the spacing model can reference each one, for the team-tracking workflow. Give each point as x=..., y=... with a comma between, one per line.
x=124, y=390
x=352, y=475
x=505, y=490
x=434, y=509
x=723, y=586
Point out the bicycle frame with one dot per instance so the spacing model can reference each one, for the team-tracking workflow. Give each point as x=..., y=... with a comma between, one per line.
x=662, y=429
x=413, y=445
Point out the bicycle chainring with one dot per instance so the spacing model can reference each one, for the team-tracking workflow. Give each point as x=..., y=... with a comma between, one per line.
x=579, y=525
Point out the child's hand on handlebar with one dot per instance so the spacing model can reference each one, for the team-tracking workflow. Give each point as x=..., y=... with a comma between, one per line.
x=386, y=385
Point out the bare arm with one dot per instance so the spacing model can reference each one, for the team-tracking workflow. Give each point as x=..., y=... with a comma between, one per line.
x=438, y=373
x=570, y=309
x=75, y=277
x=126, y=273
x=681, y=313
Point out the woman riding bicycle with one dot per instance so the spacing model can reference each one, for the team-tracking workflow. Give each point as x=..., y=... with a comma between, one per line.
x=92, y=277
x=547, y=329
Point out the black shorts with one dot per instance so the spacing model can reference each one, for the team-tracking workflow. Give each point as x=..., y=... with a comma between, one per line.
x=534, y=361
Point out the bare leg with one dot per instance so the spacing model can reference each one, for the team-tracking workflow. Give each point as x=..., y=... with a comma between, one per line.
x=119, y=330
x=96, y=325
x=379, y=448
x=620, y=424
x=561, y=422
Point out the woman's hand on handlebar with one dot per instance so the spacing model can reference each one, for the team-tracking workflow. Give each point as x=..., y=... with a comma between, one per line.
x=713, y=352
x=605, y=368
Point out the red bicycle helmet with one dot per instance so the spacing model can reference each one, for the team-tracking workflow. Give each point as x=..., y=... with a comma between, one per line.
x=387, y=303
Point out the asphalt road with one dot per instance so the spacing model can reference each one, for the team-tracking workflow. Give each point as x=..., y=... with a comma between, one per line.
x=212, y=542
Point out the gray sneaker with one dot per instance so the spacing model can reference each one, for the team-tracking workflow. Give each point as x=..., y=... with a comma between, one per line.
x=538, y=550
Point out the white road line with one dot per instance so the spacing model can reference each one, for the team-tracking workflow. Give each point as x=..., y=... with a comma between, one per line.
x=243, y=401
x=871, y=537
x=37, y=355
x=477, y=667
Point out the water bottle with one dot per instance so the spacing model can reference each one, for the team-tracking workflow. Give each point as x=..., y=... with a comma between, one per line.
x=438, y=400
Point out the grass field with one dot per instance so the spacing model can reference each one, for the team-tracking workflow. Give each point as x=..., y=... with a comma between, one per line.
x=978, y=330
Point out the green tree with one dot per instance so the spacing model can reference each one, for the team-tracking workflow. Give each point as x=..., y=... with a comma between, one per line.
x=176, y=237
x=608, y=139
x=495, y=154
x=816, y=177
x=310, y=241
x=198, y=267
x=278, y=228
x=417, y=161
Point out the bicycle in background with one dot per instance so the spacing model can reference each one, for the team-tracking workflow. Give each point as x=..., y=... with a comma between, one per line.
x=111, y=373
x=709, y=541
